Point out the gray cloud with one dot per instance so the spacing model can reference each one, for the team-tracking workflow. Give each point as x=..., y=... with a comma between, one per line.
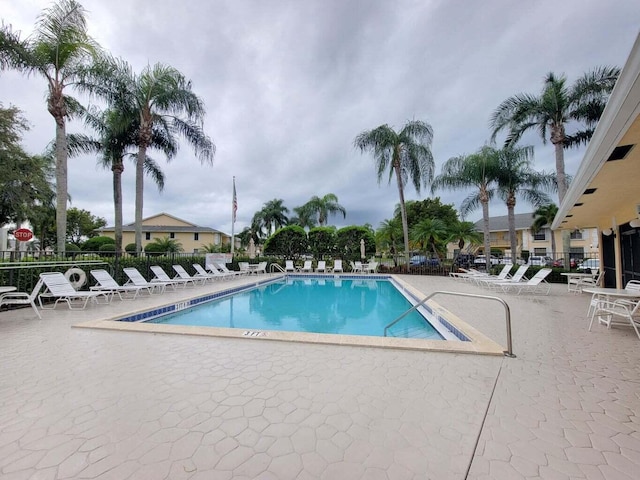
x=288, y=86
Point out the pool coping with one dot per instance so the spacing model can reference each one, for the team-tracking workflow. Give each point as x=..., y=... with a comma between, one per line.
x=478, y=344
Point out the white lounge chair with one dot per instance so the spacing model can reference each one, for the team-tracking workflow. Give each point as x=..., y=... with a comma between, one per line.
x=136, y=278
x=106, y=283
x=223, y=268
x=23, y=298
x=536, y=284
x=618, y=312
x=307, y=266
x=161, y=276
x=517, y=278
x=184, y=275
x=214, y=271
x=58, y=287
x=337, y=266
x=504, y=275
x=289, y=266
x=322, y=266
x=202, y=273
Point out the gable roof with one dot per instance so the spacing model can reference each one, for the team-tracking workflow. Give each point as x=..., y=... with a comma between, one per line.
x=187, y=227
x=501, y=224
x=163, y=214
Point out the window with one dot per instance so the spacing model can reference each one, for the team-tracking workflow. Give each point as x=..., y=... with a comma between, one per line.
x=195, y=250
x=540, y=251
x=576, y=235
x=216, y=239
x=172, y=235
x=196, y=237
x=540, y=235
x=147, y=235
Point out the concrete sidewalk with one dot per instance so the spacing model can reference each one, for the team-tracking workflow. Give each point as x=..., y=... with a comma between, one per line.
x=79, y=403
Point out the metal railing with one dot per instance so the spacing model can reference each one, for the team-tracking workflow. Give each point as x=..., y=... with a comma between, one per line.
x=507, y=353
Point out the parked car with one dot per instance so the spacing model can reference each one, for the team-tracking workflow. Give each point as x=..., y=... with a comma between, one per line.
x=592, y=264
x=482, y=260
x=540, y=261
x=560, y=263
x=464, y=260
x=422, y=261
x=505, y=260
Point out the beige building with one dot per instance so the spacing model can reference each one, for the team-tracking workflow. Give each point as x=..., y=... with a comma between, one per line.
x=584, y=242
x=604, y=193
x=192, y=237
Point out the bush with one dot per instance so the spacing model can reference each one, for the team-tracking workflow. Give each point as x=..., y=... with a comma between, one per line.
x=94, y=243
x=348, y=242
x=71, y=250
x=130, y=248
x=154, y=249
x=289, y=241
x=108, y=249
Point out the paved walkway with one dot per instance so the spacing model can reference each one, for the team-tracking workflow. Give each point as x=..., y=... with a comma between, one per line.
x=79, y=403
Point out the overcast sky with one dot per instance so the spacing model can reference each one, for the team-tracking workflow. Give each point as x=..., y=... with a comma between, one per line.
x=288, y=85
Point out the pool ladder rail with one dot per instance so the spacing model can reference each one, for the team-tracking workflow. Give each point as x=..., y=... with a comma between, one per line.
x=507, y=353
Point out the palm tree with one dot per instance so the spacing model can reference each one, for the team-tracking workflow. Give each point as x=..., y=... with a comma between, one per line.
x=543, y=216
x=476, y=170
x=57, y=50
x=429, y=232
x=161, y=98
x=118, y=132
x=323, y=207
x=407, y=154
x=463, y=232
x=166, y=244
x=305, y=218
x=389, y=234
x=273, y=215
x=516, y=178
x=558, y=105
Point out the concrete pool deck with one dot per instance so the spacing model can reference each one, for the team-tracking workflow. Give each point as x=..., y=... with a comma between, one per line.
x=86, y=403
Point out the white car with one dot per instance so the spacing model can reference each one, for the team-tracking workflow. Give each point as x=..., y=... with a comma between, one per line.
x=590, y=263
x=482, y=260
x=540, y=261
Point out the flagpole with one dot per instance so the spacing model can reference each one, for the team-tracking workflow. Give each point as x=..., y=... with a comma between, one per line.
x=234, y=208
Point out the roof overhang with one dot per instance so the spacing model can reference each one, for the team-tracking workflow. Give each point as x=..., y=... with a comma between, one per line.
x=605, y=192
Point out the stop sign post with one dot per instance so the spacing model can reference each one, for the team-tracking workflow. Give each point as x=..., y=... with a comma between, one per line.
x=23, y=234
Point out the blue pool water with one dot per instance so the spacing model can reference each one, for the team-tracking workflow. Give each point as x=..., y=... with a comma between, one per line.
x=320, y=305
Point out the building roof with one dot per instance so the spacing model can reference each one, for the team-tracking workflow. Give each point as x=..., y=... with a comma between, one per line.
x=501, y=224
x=604, y=191
x=188, y=228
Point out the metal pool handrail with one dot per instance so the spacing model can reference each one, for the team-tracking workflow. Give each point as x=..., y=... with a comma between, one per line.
x=275, y=266
x=507, y=353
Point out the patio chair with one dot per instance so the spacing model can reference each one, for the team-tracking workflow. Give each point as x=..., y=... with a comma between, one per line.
x=618, y=312
x=516, y=279
x=505, y=274
x=288, y=266
x=106, y=283
x=322, y=266
x=136, y=278
x=536, y=284
x=184, y=275
x=161, y=276
x=372, y=267
x=213, y=270
x=58, y=287
x=261, y=268
x=356, y=267
x=202, y=273
x=244, y=267
x=223, y=268
x=337, y=266
x=307, y=267
x=23, y=298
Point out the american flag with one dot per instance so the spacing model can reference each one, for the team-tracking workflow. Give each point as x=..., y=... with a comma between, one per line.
x=234, y=207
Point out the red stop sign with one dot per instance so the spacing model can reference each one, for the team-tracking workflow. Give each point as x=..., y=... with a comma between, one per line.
x=23, y=234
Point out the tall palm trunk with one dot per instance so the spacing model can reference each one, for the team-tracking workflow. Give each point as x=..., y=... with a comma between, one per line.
x=142, y=153
x=58, y=111
x=403, y=213
x=558, y=139
x=117, y=169
x=484, y=201
x=511, y=219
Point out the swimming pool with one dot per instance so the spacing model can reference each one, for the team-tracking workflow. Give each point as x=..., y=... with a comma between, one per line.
x=325, y=305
